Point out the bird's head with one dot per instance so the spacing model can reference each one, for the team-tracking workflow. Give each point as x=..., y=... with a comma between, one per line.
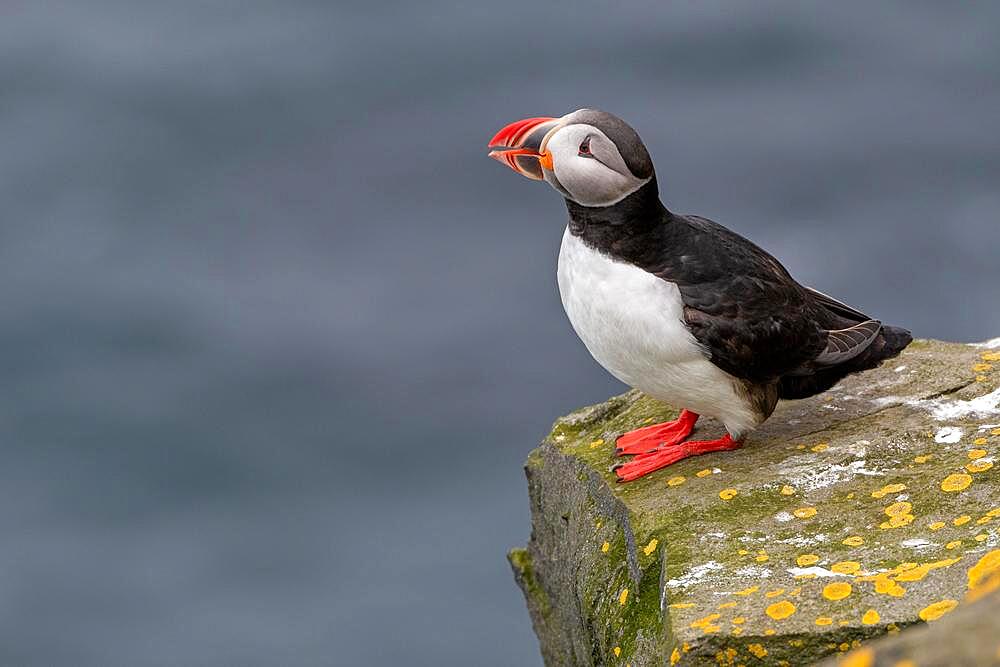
x=591, y=157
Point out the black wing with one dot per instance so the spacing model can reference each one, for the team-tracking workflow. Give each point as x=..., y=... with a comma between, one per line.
x=756, y=322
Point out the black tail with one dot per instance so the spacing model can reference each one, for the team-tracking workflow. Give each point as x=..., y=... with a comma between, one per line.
x=889, y=343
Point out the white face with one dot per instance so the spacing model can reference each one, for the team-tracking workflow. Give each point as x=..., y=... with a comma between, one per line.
x=587, y=167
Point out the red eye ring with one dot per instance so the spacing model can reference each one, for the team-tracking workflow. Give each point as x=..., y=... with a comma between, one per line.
x=585, y=147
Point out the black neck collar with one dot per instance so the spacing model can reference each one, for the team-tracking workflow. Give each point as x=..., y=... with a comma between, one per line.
x=606, y=228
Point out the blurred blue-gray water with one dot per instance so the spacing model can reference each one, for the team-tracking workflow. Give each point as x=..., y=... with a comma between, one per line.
x=277, y=336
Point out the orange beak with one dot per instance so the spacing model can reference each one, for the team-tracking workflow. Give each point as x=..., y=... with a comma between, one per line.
x=519, y=146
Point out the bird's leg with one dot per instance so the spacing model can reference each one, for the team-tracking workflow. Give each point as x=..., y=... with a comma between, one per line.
x=644, y=464
x=646, y=439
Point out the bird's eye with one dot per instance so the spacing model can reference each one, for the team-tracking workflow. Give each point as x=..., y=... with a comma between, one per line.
x=585, y=147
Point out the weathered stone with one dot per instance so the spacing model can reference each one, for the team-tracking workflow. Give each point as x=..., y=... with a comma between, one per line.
x=842, y=519
x=966, y=638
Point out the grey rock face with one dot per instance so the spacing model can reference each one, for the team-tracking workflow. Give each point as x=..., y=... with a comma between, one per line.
x=847, y=516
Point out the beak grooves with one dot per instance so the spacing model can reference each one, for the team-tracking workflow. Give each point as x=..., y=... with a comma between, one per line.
x=514, y=133
x=517, y=146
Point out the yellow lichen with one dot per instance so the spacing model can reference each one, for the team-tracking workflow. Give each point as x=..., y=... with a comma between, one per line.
x=871, y=617
x=775, y=593
x=846, y=567
x=838, y=590
x=805, y=560
x=954, y=544
x=962, y=520
x=622, y=597
x=728, y=494
x=676, y=481
x=739, y=620
x=916, y=574
x=854, y=541
x=703, y=473
x=886, y=490
x=707, y=624
x=727, y=657
x=762, y=558
x=804, y=512
x=824, y=620
x=896, y=509
x=821, y=447
x=605, y=547
x=956, y=482
x=981, y=537
x=990, y=356
x=923, y=458
x=937, y=525
x=747, y=591
x=919, y=572
x=726, y=605
x=780, y=610
x=979, y=466
x=978, y=453
x=932, y=612
x=596, y=443
x=758, y=650
x=984, y=574
x=787, y=490
x=770, y=631
x=897, y=521
x=682, y=605
x=889, y=587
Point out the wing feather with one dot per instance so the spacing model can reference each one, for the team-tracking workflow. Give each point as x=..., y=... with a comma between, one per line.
x=838, y=307
x=845, y=344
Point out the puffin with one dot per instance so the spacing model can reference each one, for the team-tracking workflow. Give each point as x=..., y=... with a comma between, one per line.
x=677, y=306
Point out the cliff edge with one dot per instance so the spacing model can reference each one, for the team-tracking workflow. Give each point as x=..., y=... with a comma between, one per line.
x=854, y=514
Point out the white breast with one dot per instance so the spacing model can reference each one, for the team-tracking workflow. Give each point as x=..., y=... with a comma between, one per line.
x=632, y=323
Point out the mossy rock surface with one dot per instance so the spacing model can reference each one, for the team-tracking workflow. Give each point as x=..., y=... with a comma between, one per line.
x=846, y=516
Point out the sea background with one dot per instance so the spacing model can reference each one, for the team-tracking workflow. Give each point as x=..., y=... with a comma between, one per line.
x=277, y=336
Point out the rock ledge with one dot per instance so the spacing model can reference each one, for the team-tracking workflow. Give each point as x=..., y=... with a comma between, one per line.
x=850, y=515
